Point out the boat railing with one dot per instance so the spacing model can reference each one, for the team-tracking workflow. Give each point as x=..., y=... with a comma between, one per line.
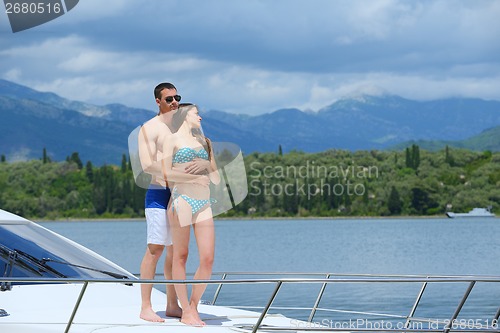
x=393, y=322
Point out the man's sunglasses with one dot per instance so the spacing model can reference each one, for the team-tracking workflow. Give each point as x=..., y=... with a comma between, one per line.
x=170, y=99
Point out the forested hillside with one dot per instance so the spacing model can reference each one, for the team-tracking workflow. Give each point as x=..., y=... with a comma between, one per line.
x=296, y=184
x=53, y=190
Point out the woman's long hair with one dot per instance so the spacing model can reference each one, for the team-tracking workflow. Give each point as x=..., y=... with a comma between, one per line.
x=178, y=119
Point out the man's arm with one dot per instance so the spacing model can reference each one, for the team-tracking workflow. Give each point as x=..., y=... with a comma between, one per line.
x=148, y=153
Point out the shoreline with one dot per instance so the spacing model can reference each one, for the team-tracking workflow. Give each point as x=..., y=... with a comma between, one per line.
x=143, y=219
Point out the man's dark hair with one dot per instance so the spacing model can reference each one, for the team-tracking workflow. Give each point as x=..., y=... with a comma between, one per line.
x=161, y=86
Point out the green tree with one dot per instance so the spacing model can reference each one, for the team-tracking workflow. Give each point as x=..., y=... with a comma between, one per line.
x=89, y=171
x=124, y=163
x=291, y=200
x=409, y=159
x=421, y=201
x=225, y=157
x=448, y=158
x=76, y=159
x=412, y=157
x=415, y=156
x=394, y=204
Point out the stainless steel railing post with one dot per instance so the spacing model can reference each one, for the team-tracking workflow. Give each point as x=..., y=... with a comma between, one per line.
x=77, y=305
x=415, y=305
x=216, y=294
x=318, y=299
x=460, y=305
x=266, y=309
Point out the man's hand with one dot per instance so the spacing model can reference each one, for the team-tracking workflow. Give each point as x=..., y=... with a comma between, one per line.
x=198, y=166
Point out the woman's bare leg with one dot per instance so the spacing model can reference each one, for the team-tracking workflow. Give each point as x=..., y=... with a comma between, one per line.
x=180, y=239
x=205, y=239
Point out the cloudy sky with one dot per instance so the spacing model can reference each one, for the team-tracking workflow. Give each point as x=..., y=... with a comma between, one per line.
x=262, y=55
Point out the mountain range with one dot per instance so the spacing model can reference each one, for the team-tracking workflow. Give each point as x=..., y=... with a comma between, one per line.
x=32, y=120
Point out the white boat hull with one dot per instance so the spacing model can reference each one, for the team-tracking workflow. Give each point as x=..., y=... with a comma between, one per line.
x=476, y=212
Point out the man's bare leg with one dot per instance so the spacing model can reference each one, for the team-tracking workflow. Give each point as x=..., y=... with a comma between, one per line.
x=148, y=271
x=173, y=308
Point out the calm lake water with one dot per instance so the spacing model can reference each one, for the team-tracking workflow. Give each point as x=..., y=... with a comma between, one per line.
x=371, y=246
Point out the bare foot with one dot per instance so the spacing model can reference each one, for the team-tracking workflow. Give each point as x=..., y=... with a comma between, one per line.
x=174, y=311
x=149, y=315
x=191, y=318
x=198, y=315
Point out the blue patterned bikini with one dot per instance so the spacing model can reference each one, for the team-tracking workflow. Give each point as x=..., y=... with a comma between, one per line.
x=184, y=155
x=188, y=154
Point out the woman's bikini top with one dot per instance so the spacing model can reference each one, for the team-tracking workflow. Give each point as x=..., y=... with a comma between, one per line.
x=188, y=154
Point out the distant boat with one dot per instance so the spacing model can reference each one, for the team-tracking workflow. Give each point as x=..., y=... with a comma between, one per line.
x=476, y=212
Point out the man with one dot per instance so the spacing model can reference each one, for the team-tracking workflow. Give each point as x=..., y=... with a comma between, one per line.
x=150, y=144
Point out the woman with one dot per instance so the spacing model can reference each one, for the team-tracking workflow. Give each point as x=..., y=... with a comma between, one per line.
x=190, y=205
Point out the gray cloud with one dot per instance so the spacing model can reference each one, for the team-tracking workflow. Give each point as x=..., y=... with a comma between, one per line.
x=257, y=56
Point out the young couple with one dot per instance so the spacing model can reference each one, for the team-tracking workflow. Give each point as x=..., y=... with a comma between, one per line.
x=181, y=163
